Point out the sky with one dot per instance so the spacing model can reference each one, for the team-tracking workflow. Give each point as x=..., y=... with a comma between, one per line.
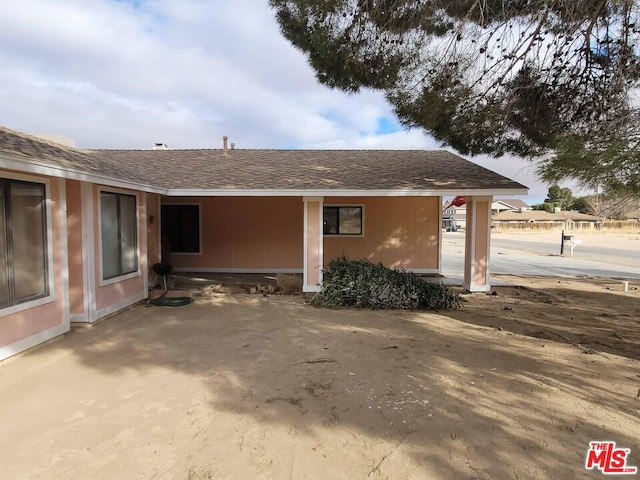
x=132, y=73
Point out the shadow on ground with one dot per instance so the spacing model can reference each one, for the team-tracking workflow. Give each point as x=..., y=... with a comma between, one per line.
x=600, y=320
x=295, y=391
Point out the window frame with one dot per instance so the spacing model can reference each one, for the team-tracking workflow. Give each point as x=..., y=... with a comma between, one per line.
x=191, y=204
x=338, y=207
x=49, y=296
x=125, y=276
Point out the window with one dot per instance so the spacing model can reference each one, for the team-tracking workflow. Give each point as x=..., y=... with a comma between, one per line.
x=181, y=227
x=23, y=242
x=119, y=234
x=342, y=220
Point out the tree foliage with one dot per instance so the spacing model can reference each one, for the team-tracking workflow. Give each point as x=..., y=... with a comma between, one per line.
x=557, y=197
x=604, y=205
x=610, y=160
x=616, y=207
x=561, y=197
x=528, y=77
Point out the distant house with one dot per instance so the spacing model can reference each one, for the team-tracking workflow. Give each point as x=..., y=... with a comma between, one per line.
x=543, y=220
x=80, y=229
x=509, y=205
x=455, y=217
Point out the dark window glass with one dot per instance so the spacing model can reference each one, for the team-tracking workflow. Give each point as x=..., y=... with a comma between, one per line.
x=23, y=242
x=4, y=253
x=118, y=221
x=342, y=220
x=181, y=228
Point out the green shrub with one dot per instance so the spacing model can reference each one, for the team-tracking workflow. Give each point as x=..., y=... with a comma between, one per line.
x=362, y=284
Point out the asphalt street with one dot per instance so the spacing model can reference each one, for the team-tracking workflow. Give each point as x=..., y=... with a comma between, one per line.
x=531, y=255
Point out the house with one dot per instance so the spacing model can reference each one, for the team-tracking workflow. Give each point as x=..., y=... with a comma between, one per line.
x=543, y=220
x=509, y=205
x=454, y=214
x=81, y=228
x=454, y=217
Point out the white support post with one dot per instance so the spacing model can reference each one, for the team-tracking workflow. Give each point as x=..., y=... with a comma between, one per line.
x=477, y=244
x=313, y=244
x=88, y=252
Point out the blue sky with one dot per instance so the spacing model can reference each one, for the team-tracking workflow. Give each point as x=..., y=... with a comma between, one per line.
x=130, y=73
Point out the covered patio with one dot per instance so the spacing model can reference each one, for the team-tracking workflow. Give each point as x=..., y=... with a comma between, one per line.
x=267, y=211
x=104, y=217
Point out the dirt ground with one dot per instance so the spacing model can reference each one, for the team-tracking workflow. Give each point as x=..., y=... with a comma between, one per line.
x=233, y=386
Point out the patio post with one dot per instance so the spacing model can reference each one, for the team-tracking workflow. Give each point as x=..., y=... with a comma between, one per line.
x=313, y=244
x=477, y=244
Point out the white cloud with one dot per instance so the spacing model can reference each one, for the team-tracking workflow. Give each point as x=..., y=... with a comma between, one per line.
x=127, y=74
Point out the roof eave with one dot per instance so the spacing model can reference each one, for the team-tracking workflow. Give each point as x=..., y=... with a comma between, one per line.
x=38, y=167
x=42, y=167
x=196, y=192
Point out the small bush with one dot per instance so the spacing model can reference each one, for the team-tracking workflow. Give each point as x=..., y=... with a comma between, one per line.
x=362, y=284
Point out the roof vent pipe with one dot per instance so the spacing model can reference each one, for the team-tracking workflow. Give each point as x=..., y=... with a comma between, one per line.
x=224, y=145
x=233, y=146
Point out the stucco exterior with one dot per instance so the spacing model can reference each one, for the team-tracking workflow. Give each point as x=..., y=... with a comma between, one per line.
x=75, y=244
x=77, y=291
x=245, y=234
x=258, y=211
x=477, y=244
x=26, y=325
x=313, y=244
x=154, y=246
x=398, y=231
x=266, y=234
x=115, y=294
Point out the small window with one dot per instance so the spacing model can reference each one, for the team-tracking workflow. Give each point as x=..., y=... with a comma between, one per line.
x=23, y=242
x=119, y=234
x=342, y=221
x=181, y=227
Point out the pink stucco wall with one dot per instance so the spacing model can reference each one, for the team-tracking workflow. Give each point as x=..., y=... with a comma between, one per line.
x=246, y=233
x=115, y=293
x=468, y=241
x=476, y=263
x=398, y=231
x=153, y=229
x=481, y=253
x=267, y=233
x=26, y=323
x=314, y=267
x=74, y=243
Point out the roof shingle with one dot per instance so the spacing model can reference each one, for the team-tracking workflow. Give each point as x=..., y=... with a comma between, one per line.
x=277, y=170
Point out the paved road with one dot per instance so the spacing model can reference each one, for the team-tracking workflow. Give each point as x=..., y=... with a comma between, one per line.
x=533, y=256
x=612, y=253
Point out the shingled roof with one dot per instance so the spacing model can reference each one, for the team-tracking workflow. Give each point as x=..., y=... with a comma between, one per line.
x=22, y=148
x=514, y=203
x=300, y=171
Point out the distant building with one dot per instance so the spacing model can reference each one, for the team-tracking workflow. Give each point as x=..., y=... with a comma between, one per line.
x=454, y=217
x=509, y=205
x=543, y=220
